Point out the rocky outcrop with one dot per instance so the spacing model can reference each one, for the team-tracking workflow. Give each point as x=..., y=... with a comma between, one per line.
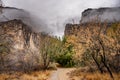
x=20, y=39
x=23, y=44
x=69, y=28
x=94, y=16
x=101, y=15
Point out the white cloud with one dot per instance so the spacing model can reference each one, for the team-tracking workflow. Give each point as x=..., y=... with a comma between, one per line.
x=54, y=12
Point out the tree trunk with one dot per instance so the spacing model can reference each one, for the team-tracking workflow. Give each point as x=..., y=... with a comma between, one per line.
x=108, y=69
x=98, y=65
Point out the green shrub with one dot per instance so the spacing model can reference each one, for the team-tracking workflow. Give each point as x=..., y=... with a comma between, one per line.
x=65, y=58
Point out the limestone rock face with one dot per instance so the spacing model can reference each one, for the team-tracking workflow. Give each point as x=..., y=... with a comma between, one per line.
x=23, y=44
x=70, y=28
x=101, y=15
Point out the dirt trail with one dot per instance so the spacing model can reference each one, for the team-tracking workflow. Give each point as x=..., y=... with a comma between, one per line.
x=61, y=74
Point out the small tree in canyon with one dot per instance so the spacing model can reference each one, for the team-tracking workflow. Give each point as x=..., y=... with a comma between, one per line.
x=66, y=52
x=49, y=47
x=102, y=45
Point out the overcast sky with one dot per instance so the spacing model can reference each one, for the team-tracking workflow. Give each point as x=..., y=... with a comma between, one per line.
x=55, y=13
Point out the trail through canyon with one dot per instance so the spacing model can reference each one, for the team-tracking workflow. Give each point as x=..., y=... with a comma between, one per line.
x=61, y=74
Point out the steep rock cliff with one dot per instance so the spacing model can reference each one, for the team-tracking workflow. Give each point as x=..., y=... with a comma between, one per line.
x=101, y=15
x=22, y=42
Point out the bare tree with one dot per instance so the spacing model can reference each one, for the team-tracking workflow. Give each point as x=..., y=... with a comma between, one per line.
x=102, y=47
x=48, y=49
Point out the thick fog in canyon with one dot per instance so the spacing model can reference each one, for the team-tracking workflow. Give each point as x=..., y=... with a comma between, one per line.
x=52, y=15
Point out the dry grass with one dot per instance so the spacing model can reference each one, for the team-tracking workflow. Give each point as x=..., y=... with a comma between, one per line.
x=78, y=75
x=38, y=75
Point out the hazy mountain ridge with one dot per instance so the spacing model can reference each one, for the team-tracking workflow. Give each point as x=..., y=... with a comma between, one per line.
x=95, y=16
x=11, y=13
x=104, y=14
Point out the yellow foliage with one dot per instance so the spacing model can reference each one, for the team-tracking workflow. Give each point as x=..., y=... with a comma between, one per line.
x=78, y=75
x=39, y=75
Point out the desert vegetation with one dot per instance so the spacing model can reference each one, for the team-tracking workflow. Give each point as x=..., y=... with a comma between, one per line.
x=88, y=51
x=92, y=48
x=100, y=47
x=51, y=50
x=54, y=50
x=38, y=75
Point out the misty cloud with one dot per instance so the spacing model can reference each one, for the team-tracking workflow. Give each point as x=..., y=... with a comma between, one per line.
x=101, y=14
x=56, y=13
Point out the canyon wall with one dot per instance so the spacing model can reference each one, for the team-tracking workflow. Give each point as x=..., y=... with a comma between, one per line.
x=22, y=42
x=80, y=34
x=101, y=15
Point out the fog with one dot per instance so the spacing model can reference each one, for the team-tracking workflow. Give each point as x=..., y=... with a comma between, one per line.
x=101, y=15
x=54, y=14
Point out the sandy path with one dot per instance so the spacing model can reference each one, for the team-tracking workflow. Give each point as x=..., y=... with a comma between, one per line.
x=61, y=74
